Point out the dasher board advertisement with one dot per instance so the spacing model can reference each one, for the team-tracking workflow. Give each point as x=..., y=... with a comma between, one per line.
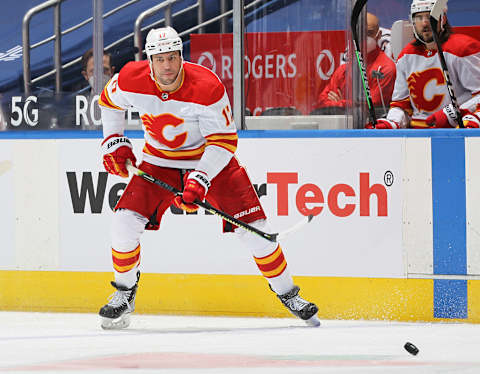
x=354, y=193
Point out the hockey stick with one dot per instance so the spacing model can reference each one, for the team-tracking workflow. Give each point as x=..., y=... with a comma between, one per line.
x=357, y=9
x=209, y=208
x=435, y=14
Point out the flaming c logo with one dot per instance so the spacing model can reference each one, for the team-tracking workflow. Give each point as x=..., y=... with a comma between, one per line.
x=417, y=83
x=155, y=126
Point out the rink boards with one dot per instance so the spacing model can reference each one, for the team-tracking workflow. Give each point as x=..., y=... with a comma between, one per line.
x=395, y=234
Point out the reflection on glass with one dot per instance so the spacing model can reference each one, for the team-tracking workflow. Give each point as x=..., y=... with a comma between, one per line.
x=294, y=51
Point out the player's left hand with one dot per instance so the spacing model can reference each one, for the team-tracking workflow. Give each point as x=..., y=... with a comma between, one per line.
x=444, y=118
x=196, y=187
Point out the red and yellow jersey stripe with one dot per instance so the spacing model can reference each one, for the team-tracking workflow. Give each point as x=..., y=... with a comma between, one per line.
x=187, y=154
x=226, y=141
x=419, y=124
x=403, y=104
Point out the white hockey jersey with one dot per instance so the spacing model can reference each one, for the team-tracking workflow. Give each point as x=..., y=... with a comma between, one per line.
x=179, y=126
x=420, y=86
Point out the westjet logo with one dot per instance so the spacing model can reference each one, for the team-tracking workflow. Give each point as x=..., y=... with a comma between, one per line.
x=11, y=54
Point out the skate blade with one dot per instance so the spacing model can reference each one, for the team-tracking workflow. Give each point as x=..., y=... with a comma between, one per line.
x=313, y=321
x=119, y=323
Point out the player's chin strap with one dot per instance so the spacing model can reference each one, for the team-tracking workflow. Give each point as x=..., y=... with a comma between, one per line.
x=209, y=208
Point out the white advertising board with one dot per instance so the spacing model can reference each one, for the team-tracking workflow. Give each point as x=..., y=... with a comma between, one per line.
x=7, y=206
x=353, y=188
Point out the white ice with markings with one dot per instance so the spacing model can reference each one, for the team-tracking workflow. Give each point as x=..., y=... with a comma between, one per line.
x=70, y=343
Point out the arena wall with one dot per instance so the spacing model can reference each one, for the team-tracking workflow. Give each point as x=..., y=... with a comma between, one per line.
x=395, y=234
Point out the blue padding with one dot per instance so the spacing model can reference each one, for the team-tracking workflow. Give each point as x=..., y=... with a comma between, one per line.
x=449, y=213
x=450, y=299
x=449, y=226
x=273, y=134
x=51, y=134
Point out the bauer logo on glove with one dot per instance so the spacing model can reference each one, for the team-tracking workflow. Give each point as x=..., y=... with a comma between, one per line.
x=196, y=187
x=117, y=140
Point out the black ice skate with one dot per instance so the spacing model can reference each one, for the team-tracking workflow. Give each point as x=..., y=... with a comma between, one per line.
x=300, y=307
x=116, y=314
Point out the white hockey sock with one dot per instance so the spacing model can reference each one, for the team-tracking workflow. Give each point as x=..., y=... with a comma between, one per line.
x=127, y=227
x=268, y=257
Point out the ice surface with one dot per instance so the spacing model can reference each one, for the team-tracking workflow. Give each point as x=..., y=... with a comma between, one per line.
x=69, y=343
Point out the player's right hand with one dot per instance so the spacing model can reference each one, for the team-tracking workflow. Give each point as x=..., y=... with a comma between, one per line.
x=117, y=149
x=383, y=123
x=196, y=187
x=335, y=95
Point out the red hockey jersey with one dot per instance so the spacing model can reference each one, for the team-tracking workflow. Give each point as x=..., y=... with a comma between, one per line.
x=180, y=125
x=420, y=86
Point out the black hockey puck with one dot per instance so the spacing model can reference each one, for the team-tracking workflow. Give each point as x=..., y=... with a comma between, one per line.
x=411, y=348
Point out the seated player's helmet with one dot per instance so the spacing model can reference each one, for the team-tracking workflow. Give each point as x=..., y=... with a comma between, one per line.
x=420, y=6
x=162, y=40
x=417, y=7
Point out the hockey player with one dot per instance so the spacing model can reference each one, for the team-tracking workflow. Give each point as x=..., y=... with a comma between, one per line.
x=420, y=97
x=190, y=141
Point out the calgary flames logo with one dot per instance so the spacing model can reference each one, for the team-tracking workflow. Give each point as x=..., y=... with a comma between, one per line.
x=155, y=126
x=417, y=85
